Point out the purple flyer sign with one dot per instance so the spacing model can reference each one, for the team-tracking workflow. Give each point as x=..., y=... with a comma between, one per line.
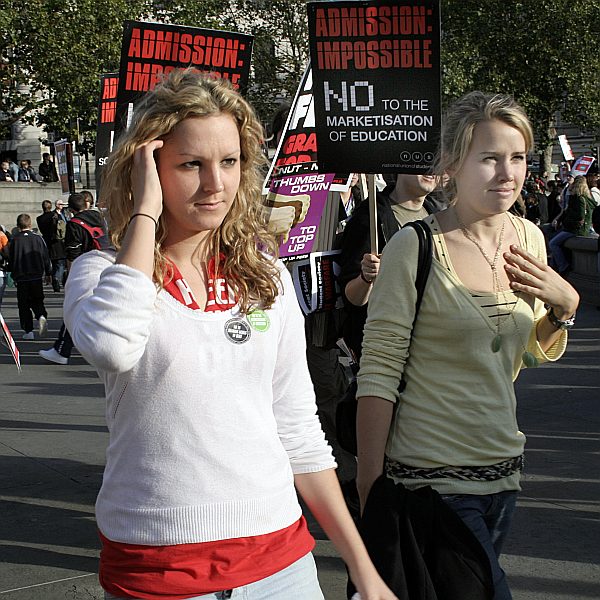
x=296, y=204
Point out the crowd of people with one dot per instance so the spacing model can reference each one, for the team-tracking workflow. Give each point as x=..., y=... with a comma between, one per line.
x=212, y=436
x=32, y=256
x=12, y=172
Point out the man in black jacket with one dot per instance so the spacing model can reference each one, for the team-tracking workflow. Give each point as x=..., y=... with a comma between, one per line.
x=29, y=262
x=85, y=231
x=47, y=169
x=399, y=203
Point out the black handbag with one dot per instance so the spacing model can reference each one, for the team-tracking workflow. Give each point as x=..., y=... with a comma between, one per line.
x=345, y=414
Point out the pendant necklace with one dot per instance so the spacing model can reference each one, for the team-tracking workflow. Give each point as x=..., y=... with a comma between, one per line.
x=527, y=357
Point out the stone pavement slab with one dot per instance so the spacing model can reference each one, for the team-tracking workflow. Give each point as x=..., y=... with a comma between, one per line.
x=52, y=441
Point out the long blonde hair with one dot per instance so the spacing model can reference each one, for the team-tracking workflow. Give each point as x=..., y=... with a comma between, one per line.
x=579, y=187
x=249, y=250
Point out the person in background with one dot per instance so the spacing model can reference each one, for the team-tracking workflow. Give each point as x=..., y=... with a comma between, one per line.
x=47, y=170
x=5, y=172
x=402, y=201
x=26, y=171
x=592, y=180
x=57, y=245
x=44, y=222
x=3, y=262
x=29, y=262
x=203, y=503
x=85, y=231
x=576, y=219
x=483, y=317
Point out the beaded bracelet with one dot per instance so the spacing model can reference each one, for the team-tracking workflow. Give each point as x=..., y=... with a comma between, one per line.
x=144, y=215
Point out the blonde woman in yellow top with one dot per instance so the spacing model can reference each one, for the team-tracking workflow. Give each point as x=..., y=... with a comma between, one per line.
x=482, y=318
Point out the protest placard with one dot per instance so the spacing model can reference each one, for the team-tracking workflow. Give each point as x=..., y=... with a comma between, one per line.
x=582, y=165
x=296, y=205
x=565, y=147
x=107, y=110
x=64, y=166
x=376, y=84
x=296, y=152
x=151, y=50
x=9, y=342
x=314, y=278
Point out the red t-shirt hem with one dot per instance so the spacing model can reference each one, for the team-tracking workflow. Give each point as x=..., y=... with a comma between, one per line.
x=186, y=570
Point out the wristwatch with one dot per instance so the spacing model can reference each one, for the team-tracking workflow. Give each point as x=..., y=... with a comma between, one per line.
x=564, y=325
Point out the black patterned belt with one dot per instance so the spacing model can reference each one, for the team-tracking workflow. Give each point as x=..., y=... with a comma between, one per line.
x=478, y=473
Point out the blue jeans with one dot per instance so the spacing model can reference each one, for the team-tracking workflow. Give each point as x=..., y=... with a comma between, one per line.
x=488, y=517
x=558, y=254
x=59, y=266
x=298, y=581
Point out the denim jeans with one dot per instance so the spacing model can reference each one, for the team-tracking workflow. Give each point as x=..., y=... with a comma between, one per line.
x=59, y=266
x=488, y=517
x=558, y=254
x=298, y=581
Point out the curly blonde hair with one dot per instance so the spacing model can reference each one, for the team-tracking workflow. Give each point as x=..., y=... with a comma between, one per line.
x=249, y=250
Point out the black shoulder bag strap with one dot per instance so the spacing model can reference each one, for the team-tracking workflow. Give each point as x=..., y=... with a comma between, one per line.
x=346, y=409
x=423, y=268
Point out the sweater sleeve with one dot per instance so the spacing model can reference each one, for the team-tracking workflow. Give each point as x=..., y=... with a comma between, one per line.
x=108, y=311
x=294, y=403
x=537, y=246
x=390, y=317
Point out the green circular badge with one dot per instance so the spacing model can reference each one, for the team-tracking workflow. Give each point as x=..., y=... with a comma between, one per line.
x=259, y=320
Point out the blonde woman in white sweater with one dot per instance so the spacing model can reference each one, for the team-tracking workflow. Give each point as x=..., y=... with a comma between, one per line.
x=196, y=333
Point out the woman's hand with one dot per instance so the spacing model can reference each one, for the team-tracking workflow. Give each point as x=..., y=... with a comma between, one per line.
x=369, y=266
x=529, y=275
x=372, y=587
x=145, y=183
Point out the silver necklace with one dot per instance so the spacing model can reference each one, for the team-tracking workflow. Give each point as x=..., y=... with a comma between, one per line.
x=527, y=357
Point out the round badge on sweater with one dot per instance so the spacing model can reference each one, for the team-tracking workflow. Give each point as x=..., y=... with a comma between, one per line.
x=259, y=320
x=237, y=331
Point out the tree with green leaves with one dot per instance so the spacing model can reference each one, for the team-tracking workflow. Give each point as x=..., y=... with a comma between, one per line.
x=55, y=52
x=280, y=31
x=545, y=53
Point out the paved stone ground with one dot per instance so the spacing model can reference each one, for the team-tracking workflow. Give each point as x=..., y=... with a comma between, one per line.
x=52, y=439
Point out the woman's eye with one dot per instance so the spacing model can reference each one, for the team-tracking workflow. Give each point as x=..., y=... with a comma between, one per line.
x=230, y=161
x=519, y=157
x=192, y=164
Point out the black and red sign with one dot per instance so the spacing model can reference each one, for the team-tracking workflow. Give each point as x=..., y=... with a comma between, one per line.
x=376, y=84
x=151, y=50
x=107, y=111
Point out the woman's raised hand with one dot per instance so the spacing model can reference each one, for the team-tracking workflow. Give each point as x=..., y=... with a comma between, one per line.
x=529, y=275
x=145, y=184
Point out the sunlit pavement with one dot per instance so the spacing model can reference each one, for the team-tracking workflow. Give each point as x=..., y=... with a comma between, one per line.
x=52, y=440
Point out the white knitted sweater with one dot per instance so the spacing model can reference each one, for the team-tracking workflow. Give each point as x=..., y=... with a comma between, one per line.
x=210, y=414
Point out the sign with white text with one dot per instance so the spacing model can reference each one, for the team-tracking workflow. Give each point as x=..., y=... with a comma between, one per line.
x=295, y=207
x=376, y=84
x=296, y=152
